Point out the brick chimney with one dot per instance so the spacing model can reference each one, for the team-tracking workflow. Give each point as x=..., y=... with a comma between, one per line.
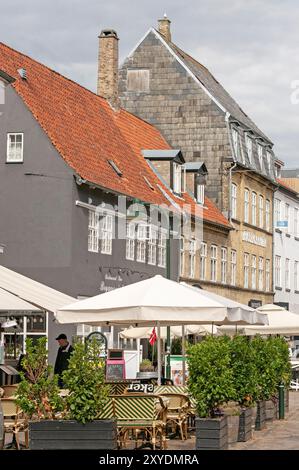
x=164, y=27
x=108, y=67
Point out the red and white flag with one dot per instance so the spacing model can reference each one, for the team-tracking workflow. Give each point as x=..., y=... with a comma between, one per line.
x=153, y=337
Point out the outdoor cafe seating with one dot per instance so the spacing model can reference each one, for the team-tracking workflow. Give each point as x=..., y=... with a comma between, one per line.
x=14, y=422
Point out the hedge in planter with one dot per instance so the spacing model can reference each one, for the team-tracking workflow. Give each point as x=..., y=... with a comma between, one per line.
x=211, y=384
x=73, y=423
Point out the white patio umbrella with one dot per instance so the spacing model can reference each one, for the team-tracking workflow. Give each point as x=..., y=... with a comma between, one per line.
x=280, y=321
x=11, y=303
x=175, y=331
x=155, y=301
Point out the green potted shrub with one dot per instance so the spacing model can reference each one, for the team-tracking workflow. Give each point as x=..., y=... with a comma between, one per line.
x=211, y=384
x=72, y=422
x=246, y=383
x=146, y=366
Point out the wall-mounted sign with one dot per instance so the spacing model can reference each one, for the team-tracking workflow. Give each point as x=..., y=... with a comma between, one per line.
x=282, y=224
x=251, y=237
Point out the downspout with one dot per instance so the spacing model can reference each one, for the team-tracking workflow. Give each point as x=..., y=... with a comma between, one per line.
x=273, y=242
x=227, y=116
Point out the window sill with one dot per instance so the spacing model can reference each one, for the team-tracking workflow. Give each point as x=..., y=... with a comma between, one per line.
x=256, y=227
x=15, y=163
x=278, y=288
x=296, y=291
x=297, y=238
x=277, y=230
x=288, y=235
x=288, y=290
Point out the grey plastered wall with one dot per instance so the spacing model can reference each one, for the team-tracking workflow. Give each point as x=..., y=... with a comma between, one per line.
x=185, y=114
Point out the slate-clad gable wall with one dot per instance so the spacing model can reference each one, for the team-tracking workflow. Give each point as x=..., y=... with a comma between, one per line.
x=185, y=114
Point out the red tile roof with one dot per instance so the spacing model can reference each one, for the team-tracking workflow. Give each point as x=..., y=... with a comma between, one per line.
x=284, y=184
x=87, y=132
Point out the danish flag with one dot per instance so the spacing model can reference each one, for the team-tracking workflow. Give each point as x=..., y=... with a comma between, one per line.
x=153, y=337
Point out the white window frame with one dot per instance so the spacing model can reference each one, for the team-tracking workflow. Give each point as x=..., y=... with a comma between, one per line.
x=277, y=210
x=162, y=248
x=214, y=254
x=253, y=207
x=261, y=211
x=130, y=241
x=200, y=194
x=177, y=178
x=223, y=265
x=268, y=272
x=296, y=227
x=246, y=270
x=182, y=256
x=234, y=195
x=246, y=205
x=260, y=151
x=203, y=260
x=278, y=271
x=106, y=233
x=233, y=278
x=261, y=273
x=93, y=231
x=141, y=243
x=253, y=272
x=235, y=138
x=268, y=215
x=152, y=245
x=192, y=258
x=269, y=161
x=248, y=140
x=296, y=274
x=12, y=156
x=287, y=274
x=287, y=215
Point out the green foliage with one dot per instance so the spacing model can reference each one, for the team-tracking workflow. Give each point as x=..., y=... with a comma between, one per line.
x=176, y=346
x=211, y=379
x=146, y=365
x=85, y=379
x=245, y=372
x=281, y=362
x=38, y=391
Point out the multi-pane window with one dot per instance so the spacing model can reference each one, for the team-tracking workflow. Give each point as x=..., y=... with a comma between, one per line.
x=287, y=216
x=177, y=178
x=234, y=200
x=162, y=247
x=296, y=227
x=106, y=226
x=296, y=280
x=268, y=216
x=192, y=251
x=182, y=256
x=130, y=242
x=15, y=144
x=203, y=260
x=260, y=154
x=253, y=272
x=93, y=231
x=246, y=270
x=152, y=245
x=214, y=263
x=268, y=275
x=287, y=274
x=253, y=208
x=249, y=147
x=261, y=211
x=278, y=271
x=141, y=243
x=233, y=279
x=277, y=210
x=261, y=273
x=235, y=136
x=246, y=205
x=200, y=194
x=269, y=161
x=223, y=265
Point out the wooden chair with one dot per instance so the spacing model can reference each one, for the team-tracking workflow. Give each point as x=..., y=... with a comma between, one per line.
x=177, y=412
x=180, y=390
x=14, y=422
x=141, y=416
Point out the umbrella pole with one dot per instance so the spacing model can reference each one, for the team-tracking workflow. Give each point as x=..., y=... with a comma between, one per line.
x=183, y=354
x=159, y=352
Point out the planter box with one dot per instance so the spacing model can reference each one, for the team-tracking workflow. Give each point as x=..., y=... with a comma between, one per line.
x=260, y=422
x=233, y=428
x=245, y=425
x=46, y=435
x=211, y=434
x=271, y=409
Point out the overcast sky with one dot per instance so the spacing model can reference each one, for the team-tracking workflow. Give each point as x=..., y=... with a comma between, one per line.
x=252, y=47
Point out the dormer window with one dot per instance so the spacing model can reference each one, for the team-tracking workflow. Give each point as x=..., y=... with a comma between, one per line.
x=260, y=154
x=200, y=196
x=269, y=160
x=15, y=143
x=177, y=178
x=235, y=136
x=249, y=147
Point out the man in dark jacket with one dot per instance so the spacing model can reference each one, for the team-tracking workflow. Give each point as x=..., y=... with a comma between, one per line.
x=63, y=355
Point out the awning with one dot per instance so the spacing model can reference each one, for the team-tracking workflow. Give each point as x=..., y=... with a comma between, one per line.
x=33, y=292
x=11, y=303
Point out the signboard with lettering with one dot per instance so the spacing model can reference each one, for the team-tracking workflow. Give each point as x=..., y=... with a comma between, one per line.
x=141, y=388
x=115, y=371
x=251, y=237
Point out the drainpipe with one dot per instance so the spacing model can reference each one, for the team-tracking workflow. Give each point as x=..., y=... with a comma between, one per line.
x=227, y=116
x=273, y=242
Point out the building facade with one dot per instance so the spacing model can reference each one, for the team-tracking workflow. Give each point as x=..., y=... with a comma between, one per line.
x=164, y=85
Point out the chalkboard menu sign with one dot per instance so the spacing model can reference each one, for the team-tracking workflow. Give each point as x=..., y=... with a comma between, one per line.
x=114, y=371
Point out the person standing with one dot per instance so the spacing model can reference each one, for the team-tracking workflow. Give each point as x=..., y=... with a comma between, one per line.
x=63, y=355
